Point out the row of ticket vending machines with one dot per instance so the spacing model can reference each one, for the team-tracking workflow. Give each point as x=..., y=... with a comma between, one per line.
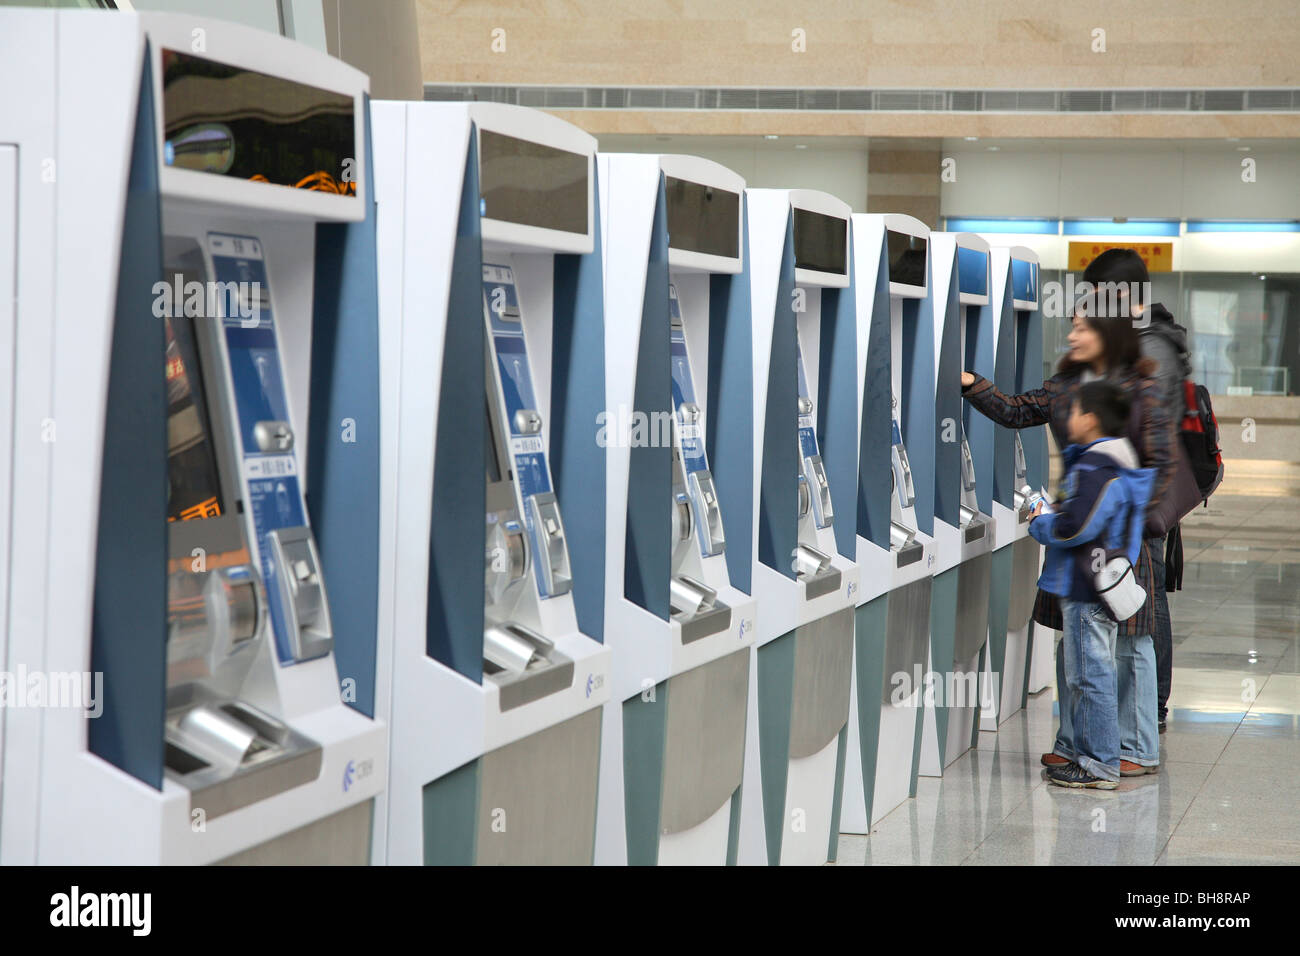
x=413, y=483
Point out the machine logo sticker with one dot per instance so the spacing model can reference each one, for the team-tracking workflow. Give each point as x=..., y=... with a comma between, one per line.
x=355, y=772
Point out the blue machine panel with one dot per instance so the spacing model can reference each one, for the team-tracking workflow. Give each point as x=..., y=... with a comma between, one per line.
x=808, y=447
x=527, y=451
x=690, y=434
x=274, y=497
x=692, y=438
x=972, y=271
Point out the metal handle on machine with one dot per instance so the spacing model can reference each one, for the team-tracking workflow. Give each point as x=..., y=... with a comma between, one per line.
x=505, y=559
x=548, y=532
x=211, y=615
x=967, y=465
x=298, y=576
x=903, y=486
x=1022, y=466
x=682, y=520
x=705, y=496
x=820, y=489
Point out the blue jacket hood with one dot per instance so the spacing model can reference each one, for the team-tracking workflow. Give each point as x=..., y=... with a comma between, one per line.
x=1135, y=484
x=1105, y=496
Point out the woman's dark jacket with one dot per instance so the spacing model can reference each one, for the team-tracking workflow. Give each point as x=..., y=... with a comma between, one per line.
x=1150, y=431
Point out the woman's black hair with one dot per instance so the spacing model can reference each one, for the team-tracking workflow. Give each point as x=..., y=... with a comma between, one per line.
x=1120, y=267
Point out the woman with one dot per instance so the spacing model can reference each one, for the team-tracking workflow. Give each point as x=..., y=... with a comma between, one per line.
x=1103, y=347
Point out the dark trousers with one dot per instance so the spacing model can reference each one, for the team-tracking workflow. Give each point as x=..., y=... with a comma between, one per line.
x=1163, y=637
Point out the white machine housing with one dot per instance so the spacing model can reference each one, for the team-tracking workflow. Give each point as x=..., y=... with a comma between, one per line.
x=647, y=650
x=880, y=568
x=441, y=719
x=79, y=75
x=784, y=604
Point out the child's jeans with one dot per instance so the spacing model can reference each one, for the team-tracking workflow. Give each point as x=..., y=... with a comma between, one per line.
x=1135, y=685
x=1086, y=684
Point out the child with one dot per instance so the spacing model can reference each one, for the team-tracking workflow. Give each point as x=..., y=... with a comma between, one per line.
x=1105, y=495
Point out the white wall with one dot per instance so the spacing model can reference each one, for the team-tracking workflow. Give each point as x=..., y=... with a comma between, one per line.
x=1091, y=183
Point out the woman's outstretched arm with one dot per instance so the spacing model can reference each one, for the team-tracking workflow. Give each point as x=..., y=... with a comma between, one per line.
x=1013, y=411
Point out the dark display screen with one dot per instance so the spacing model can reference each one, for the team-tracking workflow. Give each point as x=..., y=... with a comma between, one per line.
x=907, y=254
x=194, y=489
x=820, y=242
x=703, y=219
x=234, y=122
x=531, y=184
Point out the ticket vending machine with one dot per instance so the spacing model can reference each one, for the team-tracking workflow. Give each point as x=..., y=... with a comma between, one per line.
x=897, y=557
x=804, y=577
x=197, y=465
x=1020, y=468
x=963, y=331
x=491, y=671
x=676, y=297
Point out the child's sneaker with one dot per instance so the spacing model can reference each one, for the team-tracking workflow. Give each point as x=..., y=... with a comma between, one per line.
x=1051, y=759
x=1075, y=777
x=1127, y=768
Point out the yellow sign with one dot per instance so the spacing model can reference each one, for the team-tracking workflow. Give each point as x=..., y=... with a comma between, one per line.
x=1158, y=256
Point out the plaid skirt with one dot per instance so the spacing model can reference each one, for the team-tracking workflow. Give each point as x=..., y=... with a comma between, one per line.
x=1047, y=608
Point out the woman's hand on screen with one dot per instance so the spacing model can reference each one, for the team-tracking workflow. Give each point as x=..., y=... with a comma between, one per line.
x=967, y=379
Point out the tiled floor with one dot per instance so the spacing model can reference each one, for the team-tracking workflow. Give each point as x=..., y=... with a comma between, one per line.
x=1228, y=791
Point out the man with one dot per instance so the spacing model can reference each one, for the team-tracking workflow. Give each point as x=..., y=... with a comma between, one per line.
x=1165, y=342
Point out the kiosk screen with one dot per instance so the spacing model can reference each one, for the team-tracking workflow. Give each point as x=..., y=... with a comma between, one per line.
x=531, y=184
x=820, y=242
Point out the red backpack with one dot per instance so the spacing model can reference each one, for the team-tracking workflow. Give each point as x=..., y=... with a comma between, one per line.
x=1200, y=434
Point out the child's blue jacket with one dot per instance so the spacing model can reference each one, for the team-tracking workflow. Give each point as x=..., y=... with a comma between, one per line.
x=1103, y=509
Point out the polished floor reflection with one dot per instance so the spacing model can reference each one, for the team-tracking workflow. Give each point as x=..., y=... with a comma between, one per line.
x=1228, y=791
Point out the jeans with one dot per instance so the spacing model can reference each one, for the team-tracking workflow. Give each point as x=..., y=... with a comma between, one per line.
x=1135, y=672
x=1086, y=683
x=1163, y=636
